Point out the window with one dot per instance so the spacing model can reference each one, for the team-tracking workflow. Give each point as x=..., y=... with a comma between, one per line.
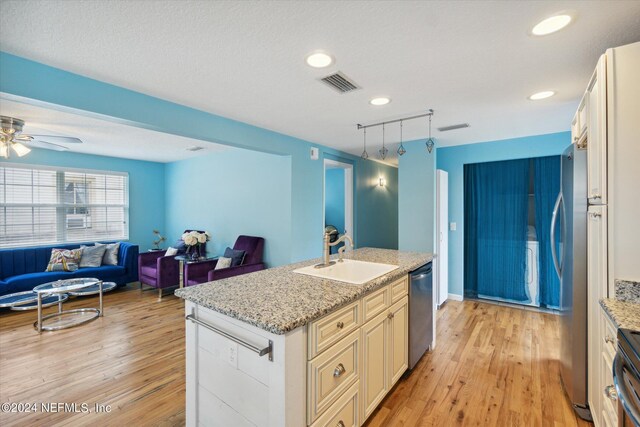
x=47, y=205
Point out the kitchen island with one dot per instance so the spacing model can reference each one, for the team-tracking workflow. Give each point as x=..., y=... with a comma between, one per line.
x=276, y=348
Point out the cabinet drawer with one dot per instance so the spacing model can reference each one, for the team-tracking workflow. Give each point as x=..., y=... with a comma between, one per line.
x=344, y=412
x=325, y=332
x=399, y=289
x=375, y=303
x=331, y=373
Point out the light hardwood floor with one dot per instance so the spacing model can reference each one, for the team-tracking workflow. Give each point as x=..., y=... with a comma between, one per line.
x=493, y=365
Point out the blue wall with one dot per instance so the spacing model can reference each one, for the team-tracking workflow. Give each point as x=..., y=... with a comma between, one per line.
x=334, y=198
x=232, y=193
x=146, y=189
x=453, y=159
x=376, y=211
x=377, y=207
x=416, y=201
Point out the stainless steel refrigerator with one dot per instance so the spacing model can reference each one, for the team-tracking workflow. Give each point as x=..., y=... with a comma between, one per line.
x=570, y=260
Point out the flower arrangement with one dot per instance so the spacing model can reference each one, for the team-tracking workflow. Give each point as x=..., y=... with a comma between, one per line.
x=194, y=240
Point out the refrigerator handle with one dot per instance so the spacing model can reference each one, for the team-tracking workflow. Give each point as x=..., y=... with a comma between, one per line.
x=554, y=218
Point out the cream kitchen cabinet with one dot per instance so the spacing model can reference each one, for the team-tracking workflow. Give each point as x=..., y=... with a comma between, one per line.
x=596, y=141
x=385, y=341
x=597, y=289
x=365, y=343
x=375, y=335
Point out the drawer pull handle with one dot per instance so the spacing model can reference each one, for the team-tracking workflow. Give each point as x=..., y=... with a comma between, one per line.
x=611, y=393
x=608, y=339
x=339, y=370
x=390, y=316
x=340, y=325
x=595, y=196
x=340, y=424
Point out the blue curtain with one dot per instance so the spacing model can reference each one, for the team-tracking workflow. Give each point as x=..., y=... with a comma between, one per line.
x=546, y=189
x=495, y=228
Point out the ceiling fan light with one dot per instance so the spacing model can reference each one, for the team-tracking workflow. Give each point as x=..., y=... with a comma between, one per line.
x=20, y=149
x=4, y=150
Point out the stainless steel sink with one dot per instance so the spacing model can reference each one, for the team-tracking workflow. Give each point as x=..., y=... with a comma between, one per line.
x=349, y=271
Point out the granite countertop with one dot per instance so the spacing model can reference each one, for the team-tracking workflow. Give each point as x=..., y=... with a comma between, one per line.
x=278, y=300
x=624, y=309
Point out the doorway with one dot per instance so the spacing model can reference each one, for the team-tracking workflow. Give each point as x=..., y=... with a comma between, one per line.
x=338, y=198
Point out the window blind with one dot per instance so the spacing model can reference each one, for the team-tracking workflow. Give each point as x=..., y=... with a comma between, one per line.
x=40, y=205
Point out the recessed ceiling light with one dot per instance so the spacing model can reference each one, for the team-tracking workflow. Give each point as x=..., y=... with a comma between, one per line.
x=380, y=100
x=542, y=95
x=319, y=60
x=551, y=25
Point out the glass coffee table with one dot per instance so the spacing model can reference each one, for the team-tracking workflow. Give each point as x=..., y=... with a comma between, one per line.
x=64, y=319
x=28, y=300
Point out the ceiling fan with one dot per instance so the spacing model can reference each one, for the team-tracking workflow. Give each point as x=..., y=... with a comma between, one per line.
x=12, y=138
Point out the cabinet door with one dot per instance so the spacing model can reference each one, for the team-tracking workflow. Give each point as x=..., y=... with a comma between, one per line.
x=597, y=136
x=596, y=289
x=398, y=340
x=375, y=363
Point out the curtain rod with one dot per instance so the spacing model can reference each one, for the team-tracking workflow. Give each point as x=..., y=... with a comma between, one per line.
x=430, y=113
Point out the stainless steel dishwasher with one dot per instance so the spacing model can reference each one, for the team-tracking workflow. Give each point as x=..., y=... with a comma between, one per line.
x=420, y=313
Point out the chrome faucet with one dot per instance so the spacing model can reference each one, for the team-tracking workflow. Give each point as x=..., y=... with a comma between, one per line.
x=326, y=262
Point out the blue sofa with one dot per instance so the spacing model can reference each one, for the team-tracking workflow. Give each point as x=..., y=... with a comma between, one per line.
x=21, y=269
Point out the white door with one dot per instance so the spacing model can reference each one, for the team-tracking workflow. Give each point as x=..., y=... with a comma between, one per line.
x=442, y=237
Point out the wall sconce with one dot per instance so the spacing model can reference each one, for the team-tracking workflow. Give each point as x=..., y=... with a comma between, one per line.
x=382, y=182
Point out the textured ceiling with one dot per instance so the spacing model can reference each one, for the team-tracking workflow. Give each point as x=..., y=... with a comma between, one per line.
x=105, y=138
x=471, y=61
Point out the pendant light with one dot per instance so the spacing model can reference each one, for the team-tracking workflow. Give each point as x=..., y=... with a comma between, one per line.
x=430, y=142
x=401, y=149
x=364, y=154
x=383, y=151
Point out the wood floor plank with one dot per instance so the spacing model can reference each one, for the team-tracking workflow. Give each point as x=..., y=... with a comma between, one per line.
x=493, y=366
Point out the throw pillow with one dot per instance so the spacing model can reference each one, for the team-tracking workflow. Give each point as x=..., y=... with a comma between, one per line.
x=62, y=258
x=223, y=263
x=237, y=256
x=171, y=252
x=181, y=247
x=110, y=256
x=92, y=256
x=70, y=266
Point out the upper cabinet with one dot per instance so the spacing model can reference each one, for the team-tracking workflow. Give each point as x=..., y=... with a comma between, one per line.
x=596, y=134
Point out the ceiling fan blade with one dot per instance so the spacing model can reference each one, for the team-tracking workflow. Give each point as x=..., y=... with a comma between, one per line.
x=35, y=143
x=58, y=139
x=26, y=138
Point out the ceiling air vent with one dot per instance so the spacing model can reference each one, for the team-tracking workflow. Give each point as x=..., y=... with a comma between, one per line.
x=340, y=82
x=453, y=127
x=195, y=148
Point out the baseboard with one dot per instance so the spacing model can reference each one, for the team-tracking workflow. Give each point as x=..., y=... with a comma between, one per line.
x=455, y=297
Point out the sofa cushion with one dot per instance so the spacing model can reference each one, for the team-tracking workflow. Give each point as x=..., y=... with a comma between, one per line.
x=237, y=256
x=149, y=270
x=106, y=272
x=92, y=255
x=25, y=282
x=110, y=256
x=62, y=259
x=223, y=263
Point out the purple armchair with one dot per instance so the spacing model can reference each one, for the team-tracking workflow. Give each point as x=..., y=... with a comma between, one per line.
x=201, y=272
x=158, y=271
